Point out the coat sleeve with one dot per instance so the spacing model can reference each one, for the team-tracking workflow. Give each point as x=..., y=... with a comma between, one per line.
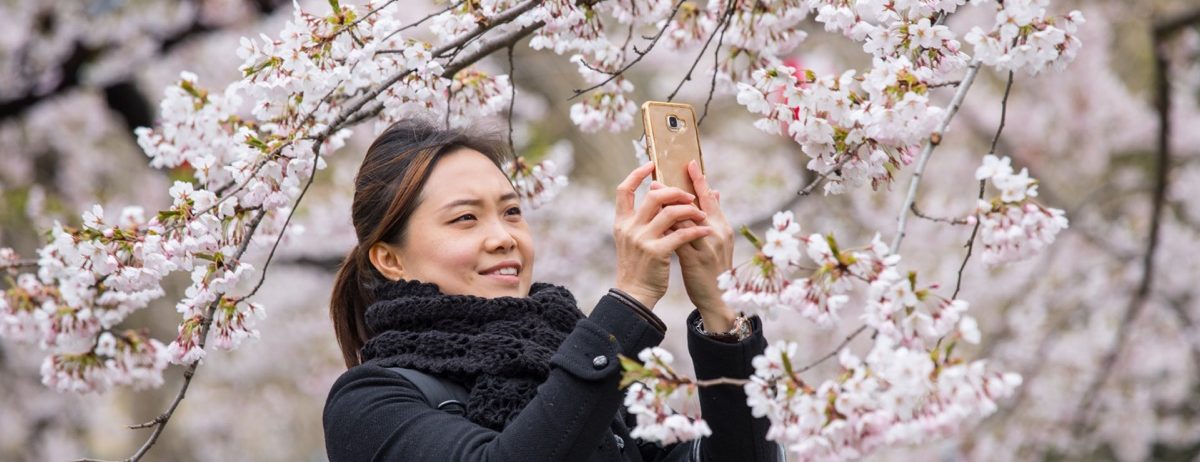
x=373, y=414
x=736, y=434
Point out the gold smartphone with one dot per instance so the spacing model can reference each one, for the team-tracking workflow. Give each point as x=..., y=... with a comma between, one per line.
x=672, y=141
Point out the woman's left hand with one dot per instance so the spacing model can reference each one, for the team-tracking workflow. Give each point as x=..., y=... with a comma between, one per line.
x=703, y=260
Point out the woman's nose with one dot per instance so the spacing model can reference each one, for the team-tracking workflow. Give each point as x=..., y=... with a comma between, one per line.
x=499, y=237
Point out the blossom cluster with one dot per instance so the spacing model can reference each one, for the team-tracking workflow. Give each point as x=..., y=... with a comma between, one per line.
x=536, y=184
x=890, y=30
x=655, y=393
x=895, y=395
x=1025, y=39
x=1013, y=227
x=864, y=128
x=856, y=130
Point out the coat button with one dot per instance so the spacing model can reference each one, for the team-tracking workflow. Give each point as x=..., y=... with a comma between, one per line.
x=599, y=362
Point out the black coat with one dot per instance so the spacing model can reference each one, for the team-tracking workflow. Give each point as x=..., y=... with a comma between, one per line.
x=374, y=414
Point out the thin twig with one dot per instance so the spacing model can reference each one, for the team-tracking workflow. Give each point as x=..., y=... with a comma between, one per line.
x=369, y=14
x=845, y=157
x=950, y=221
x=970, y=245
x=948, y=83
x=19, y=264
x=712, y=87
x=422, y=20
x=512, y=99
x=725, y=14
x=934, y=140
x=1003, y=113
x=722, y=381
x=835, y=351
x=640, y=55
x=283, y=229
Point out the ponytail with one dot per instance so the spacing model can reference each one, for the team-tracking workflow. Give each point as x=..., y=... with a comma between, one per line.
x=352, y=294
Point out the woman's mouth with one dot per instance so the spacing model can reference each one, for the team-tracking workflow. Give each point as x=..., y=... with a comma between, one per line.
x=506, y=275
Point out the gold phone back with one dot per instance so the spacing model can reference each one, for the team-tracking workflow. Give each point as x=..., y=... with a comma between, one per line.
x=672, y=149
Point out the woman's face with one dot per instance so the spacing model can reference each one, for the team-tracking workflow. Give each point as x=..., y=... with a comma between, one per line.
x=468, y=234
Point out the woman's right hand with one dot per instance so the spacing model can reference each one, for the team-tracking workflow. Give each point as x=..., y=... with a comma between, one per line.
x=644, y=237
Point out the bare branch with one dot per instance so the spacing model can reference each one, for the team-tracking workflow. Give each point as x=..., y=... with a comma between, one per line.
x=1003, y=114
x=948, y=83
x=950, y=221
x=19, y=264
x=934, y=139
x=640, y=55
x=422, y=20
x=512, y=99
x=712, y=88
x=368, y=14
x=835, y=351
x=283, y=229
x=970, y=245
x=722, y=381
x=725, y=15
x=1162, y=165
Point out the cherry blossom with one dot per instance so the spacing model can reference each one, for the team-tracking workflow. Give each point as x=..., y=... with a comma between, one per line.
x=649, y=400
x=1013, y=227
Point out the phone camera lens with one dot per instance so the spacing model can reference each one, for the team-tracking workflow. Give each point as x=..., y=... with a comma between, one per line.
x=673, y=122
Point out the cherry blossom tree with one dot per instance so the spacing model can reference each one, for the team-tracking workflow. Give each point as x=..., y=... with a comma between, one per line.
x=1060, y=324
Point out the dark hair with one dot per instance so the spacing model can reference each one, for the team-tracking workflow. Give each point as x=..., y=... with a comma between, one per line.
x=387, y=190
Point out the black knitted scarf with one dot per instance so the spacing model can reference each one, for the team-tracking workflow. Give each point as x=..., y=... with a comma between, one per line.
x=497, y=348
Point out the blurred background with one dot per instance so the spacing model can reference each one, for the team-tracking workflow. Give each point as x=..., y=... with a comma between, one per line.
x=77, y=76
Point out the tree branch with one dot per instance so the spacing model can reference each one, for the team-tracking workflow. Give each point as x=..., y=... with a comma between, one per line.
x=160, y=422
x=970, y=245
x=950, y=221
x=347, y=115
x=640, y=55
x=934, y=140
x=725, y=15
x=835, y=351
x=712, y=87
x=1162, y=32
x=512, y=100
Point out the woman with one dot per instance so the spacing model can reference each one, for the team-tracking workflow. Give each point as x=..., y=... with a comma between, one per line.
x=441, y=283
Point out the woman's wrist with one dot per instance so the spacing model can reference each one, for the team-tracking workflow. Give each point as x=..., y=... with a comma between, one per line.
x=717, y=317
x=646, y=300
x=739, y=331
x=638, y=308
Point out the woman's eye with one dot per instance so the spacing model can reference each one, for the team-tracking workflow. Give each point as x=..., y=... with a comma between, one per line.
x=461, y=217
x=514, y=211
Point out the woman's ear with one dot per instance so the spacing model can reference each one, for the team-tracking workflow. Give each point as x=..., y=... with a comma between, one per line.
x=386, y=260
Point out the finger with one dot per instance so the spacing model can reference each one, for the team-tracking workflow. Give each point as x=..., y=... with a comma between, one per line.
x=627, y=188
x=655, y=200
x=672, y=214
x=707, y=196
x=699, y=181
x=677, y=239
x=654, y=185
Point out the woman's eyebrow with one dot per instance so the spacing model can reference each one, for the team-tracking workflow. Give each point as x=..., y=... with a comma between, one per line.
x=477, y=202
